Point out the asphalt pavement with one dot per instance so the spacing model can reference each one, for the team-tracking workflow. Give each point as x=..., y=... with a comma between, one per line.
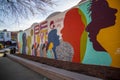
x=10, y=70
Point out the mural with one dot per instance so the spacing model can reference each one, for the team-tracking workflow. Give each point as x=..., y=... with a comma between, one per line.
x=53, y=41
x=101, y=19
x=87, y=33
x=20, y=42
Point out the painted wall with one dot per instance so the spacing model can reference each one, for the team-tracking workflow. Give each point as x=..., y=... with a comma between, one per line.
x=88, y=34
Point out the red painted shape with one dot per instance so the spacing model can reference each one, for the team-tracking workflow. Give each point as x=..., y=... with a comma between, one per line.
x=72, y=31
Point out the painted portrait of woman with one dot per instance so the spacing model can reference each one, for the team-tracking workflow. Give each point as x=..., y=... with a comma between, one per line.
x=72, y=31
x=103, y=16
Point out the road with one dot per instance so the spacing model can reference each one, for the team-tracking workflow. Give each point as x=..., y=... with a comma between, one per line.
x=10, y=70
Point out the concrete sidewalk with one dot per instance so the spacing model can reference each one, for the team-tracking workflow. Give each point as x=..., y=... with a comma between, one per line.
x=10, y=70
x=50, y=71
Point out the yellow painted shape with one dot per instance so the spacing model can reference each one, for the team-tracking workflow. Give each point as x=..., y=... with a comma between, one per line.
x=50, y=46
x=109, y=37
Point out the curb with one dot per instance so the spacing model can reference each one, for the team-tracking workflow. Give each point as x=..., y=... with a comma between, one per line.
x=51, y=72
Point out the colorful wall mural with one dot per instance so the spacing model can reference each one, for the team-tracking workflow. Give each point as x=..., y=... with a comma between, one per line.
x=87, y=33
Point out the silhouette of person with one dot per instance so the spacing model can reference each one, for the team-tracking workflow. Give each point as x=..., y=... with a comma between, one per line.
x=43, y=49
x=102, y=16
x=24, y=43
x=54, y=39
x=72, y=31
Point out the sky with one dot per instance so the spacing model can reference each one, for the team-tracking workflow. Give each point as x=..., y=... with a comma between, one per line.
x=61, y=5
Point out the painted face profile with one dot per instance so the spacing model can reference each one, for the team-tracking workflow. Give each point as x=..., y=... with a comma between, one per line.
x=102, y=16
x=72, y=31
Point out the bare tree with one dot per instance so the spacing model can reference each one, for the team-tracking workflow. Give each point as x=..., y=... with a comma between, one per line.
x=18, y=9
